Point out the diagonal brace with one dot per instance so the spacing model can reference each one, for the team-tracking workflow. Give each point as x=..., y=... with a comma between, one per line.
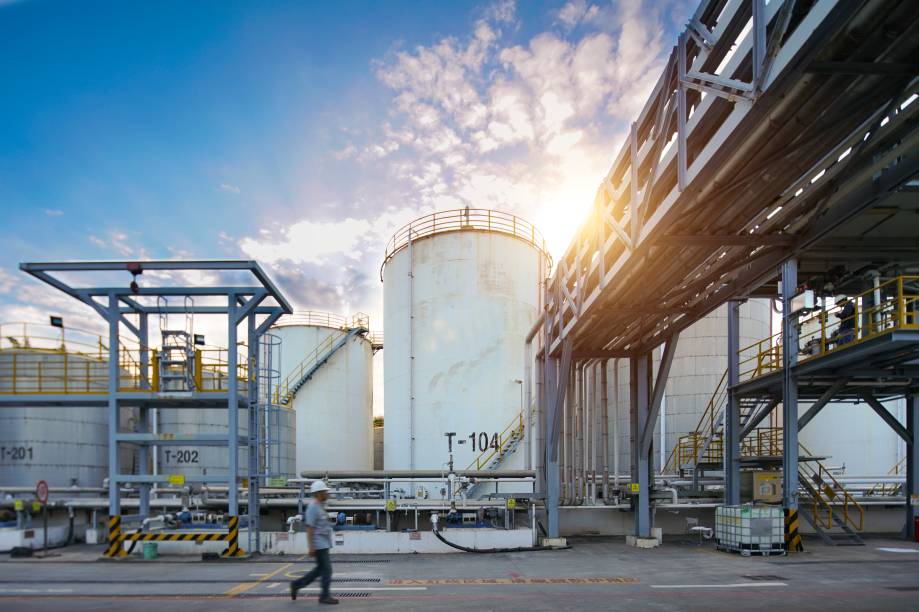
x=886, y=416
x=563, y=375
x=657, y=395
x=832, y=390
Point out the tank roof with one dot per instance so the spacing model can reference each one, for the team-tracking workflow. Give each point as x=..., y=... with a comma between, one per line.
x=466, y=219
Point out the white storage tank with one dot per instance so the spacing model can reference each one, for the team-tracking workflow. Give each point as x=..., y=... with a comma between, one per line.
x=461, y=289
x=327, y=379
x=64, y=446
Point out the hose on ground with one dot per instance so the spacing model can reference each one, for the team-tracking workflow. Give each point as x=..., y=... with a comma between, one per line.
x=496, y=550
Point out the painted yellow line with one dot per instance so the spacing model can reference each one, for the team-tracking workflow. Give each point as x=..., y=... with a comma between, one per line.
x=243, y=587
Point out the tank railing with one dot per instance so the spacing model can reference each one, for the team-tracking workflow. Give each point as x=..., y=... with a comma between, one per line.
x=688, y=446
x=466, y=219
x=826, y=330
x=889, y=489
x=514, y=431
x=827, y=493
x=289, y=385
x=39, y=371
x=44, y=337
x=325, y=319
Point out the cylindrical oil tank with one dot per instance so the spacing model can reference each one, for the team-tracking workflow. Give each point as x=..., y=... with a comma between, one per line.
x=461, y=289
x=327, y=379
x=698, y=366
x=63, y=446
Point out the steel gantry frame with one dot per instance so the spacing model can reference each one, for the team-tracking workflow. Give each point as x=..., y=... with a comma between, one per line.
x=770, y=125
x=244, y=303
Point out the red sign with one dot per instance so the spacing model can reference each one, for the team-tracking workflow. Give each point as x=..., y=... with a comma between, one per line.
x=41, y=492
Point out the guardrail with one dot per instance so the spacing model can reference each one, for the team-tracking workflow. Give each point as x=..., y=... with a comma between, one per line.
x=466, y=219
x=892, y=305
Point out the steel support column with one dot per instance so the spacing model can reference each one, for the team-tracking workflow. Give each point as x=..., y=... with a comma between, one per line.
x=789, y=388
x=912, y=477
x=732, y=411
x=640, y=402
x=232, y=408
x=143, y=451
x=551, y=448
x=112, y=315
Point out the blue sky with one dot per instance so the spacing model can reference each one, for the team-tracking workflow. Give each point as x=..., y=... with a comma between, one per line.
x=303, y=133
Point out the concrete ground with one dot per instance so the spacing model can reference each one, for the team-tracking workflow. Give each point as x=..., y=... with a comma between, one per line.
x=595, y=573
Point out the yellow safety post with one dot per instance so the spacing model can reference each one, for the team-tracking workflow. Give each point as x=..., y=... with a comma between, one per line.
x=233, y=549
x=115, y=538
x=793, y=541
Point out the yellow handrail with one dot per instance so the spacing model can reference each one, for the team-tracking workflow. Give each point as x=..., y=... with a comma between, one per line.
x=515, y=426
x=826, y=492
x=688, y=446
x=885, y=488
x=827, y=331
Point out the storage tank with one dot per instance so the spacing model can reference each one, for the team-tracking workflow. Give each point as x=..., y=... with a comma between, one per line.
x=64, y=446
x=698, y=366
x=327, y=379
x=461, y=289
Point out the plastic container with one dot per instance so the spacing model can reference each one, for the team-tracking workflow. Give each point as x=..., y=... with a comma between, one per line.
x=151, y=551
x=750, y=529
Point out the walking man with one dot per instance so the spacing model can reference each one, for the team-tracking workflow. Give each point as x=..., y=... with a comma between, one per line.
x=319, y=537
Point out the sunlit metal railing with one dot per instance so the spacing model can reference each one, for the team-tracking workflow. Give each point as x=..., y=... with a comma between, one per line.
x=833, y=329
x=325, y=319
x=466, y=219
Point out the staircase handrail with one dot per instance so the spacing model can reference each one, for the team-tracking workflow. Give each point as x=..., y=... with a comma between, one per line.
x=516, y=425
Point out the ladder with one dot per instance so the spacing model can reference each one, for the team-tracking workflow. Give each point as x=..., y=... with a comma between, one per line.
x=176, y=360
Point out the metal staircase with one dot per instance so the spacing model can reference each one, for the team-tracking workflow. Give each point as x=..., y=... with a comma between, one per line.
x=826, y=504
x=705, y=445
x=317, y=358
x=508, y=441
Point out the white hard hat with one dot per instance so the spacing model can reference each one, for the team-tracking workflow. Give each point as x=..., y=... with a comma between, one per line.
x=318, y=486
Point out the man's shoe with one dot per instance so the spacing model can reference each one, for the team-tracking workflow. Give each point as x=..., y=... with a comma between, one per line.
x=293, y=592
x=328, y=600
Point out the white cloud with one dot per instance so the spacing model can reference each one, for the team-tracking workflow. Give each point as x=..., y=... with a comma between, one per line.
x=54, y=212
x=229, y=188
x=527, y=126
x=578, y=11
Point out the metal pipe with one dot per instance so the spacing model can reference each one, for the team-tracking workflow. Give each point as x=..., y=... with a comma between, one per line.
x=579, y=435
x=419, y=474
x=604, y=428
x=616, y=422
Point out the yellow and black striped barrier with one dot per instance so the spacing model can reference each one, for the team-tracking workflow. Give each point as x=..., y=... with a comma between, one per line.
x=117, y=538
x=793, y=541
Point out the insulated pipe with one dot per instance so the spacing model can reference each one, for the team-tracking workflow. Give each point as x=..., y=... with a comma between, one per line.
x=528, y=383
x=616, y=422
x=579, y=440
x=604, y=425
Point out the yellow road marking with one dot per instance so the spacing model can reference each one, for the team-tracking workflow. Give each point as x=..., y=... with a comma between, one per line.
x=242, y=587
